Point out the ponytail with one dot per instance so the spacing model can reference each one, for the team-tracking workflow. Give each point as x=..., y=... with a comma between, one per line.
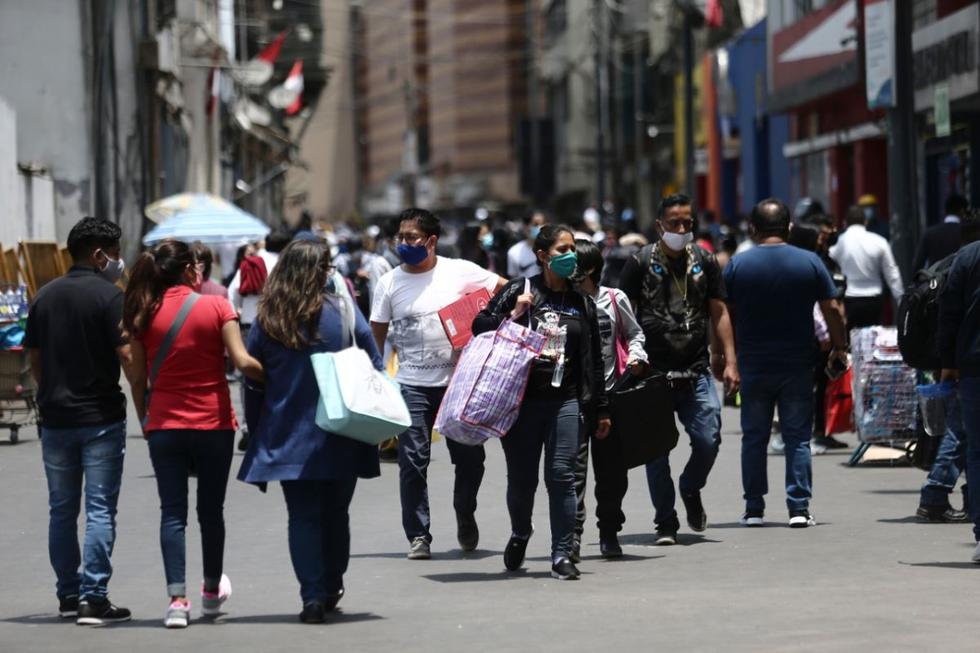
x=155, y=271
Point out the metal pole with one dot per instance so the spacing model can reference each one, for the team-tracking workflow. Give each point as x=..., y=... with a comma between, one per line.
x=688, y=107
x=637, y=118
x=530, y=8
x=902, y=200
x=600, y=141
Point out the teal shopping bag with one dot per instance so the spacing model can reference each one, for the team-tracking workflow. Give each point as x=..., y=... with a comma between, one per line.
x=356, y=400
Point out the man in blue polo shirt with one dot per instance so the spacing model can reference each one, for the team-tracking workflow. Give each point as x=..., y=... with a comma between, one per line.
x=75, y=344
x=772, y=289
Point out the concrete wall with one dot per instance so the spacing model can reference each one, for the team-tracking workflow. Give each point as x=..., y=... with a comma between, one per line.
x=42, y=74
x=9, y=190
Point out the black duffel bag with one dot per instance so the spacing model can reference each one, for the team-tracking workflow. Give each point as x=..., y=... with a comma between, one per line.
x=642, y=413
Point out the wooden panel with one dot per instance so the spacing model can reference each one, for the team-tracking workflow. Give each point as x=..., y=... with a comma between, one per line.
x=41, y=261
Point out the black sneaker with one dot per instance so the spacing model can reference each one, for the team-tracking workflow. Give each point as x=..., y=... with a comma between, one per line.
x=665, y=537
x=576, y=554
x=515, y=551
x=312, y=613
x=68, y=606
x=941, y=515
x=467, y=532
x=94, y=613
x=752, y=519
x=330, y=603
x=830, y=442
x=564, y=569
x=696, y=517
x=243, y=441
x=801, y=519
x=609, y=546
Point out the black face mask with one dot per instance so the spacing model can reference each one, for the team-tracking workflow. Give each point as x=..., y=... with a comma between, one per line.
x=832, y=239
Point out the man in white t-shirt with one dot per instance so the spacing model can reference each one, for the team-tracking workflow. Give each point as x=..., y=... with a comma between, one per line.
x=521, y=259
x=405, y=312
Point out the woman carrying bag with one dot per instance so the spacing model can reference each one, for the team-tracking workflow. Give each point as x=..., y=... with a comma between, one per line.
x=297, y=317
x=178, y=341
x=565, y=381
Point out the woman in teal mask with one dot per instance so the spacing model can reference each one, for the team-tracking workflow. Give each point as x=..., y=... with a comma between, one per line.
x=566, y=379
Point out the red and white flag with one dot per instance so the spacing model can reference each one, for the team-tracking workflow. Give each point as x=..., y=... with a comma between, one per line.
x=259, y=70
x=289, y=94
x=713, y=15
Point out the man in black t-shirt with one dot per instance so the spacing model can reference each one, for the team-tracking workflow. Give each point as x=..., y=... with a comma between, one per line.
x=677, y=289
x=75, y=345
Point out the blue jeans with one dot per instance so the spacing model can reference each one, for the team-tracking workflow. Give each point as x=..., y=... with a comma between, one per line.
x=414, y=453
x=970, y=410
x=699, y=410
x=319, y=534
x=172, y=453
x=950, y=461
x=555, y=426
x=96, y=454
x=792, y=392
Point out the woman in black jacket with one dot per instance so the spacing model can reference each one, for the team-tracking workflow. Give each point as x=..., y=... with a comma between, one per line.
x=565, y=381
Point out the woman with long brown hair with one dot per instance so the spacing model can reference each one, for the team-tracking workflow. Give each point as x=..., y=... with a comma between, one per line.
x=178, y=340
x=299, y=315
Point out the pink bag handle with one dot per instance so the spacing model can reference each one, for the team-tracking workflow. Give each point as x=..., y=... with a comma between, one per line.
x=622, y=348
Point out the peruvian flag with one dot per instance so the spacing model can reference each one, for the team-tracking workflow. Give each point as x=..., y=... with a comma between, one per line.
x=289, y=94
x=259, y=70
x=713, y=15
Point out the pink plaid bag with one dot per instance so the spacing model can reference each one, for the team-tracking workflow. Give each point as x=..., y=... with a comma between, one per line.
x=487, y=388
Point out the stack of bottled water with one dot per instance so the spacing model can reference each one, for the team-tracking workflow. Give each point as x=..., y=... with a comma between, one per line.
x=13, y=303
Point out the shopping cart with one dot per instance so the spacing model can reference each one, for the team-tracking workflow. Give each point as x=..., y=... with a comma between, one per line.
x=17, y=392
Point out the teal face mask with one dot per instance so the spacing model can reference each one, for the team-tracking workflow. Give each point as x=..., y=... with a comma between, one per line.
x=563, y=264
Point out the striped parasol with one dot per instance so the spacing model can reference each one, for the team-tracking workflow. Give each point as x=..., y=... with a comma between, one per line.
x=202, y=217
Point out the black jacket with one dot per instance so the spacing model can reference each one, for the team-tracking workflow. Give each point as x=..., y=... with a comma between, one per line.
x=959, y=314
x=938, y=242
x=592, y=389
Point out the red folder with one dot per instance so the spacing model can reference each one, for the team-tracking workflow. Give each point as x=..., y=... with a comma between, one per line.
x=457, y=318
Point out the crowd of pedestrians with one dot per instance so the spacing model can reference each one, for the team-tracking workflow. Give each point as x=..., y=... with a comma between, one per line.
x=762, y=319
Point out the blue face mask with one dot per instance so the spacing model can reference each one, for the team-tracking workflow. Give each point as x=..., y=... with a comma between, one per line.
x=535, y=230
x=412, y=254
x=563, y=264
x=487, y=241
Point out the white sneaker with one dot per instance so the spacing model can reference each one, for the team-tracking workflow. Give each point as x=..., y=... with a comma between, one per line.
x=211, y=603
x=976, y=554
x=801, y=520
x=776, y=444
x=817, y=449
x=178, y=614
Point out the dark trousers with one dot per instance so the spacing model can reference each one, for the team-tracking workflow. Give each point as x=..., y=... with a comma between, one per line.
x=172, y=453
x=864, y=311
x=319, y=534
x=611, y=482
x=414, y=453
x=553, y=425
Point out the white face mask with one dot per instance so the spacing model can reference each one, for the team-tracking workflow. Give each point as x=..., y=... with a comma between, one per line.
x=677, y=242
x=113, y=268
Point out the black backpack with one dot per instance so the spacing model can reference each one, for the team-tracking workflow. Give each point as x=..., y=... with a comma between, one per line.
x=918, y=316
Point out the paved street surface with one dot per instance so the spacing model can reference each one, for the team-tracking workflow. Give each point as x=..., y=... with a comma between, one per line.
x=867, y=578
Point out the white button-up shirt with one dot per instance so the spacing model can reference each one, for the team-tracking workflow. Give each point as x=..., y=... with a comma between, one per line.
x=866, y=259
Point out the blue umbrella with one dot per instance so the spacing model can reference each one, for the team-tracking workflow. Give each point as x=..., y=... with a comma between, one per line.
x=201, y=217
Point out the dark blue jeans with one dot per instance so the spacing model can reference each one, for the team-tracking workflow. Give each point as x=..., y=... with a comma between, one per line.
x=792, y=392
x=555, y=426
x=950, y=461
x=319, y=534
x=699, y=410
x=970, y=411
x=414, y=453
x=95, y=454
x=172, y=453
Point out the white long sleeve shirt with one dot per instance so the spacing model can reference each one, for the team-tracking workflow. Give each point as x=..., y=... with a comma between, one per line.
x=866, y=259
x=609, y=326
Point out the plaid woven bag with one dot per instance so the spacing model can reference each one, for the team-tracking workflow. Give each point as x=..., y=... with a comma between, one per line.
x=487, y=387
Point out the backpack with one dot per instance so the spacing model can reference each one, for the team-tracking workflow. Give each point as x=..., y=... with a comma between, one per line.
x=918, y=316
x=253, y=275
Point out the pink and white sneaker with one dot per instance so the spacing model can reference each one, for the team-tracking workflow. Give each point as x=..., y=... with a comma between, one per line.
x=211, y=602
x=178, y=614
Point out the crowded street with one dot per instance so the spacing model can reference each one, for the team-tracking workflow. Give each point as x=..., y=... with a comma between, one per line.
x=868, y=577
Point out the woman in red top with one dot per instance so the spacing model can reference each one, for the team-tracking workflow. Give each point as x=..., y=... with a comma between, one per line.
x=188, y=419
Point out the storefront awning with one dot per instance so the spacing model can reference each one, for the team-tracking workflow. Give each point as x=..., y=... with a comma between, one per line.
x=828, y=140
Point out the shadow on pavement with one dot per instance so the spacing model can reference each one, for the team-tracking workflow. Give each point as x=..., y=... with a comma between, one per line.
x=942, y=565
x=456, y=554
x=336, y=617
x=911, y=519
x=626, y=557
x=479, y=577
x=894, y=491
x=649, y=539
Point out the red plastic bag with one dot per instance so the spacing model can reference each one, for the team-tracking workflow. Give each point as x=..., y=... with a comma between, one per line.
x=840, y=404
